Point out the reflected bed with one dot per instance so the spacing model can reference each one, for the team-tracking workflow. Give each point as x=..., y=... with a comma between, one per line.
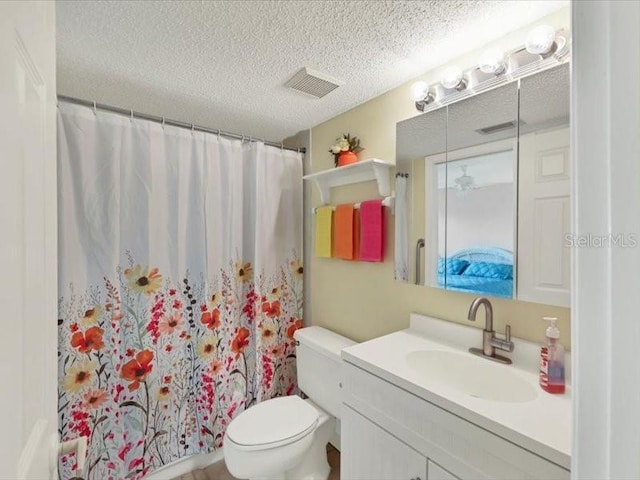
x=484, y=271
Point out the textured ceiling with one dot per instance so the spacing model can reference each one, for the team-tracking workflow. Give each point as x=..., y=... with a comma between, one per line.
x=222, y=64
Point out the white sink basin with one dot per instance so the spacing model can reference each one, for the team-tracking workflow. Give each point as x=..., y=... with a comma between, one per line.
x=474, y=376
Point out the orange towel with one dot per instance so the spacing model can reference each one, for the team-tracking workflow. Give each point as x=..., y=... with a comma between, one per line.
x=343, y=232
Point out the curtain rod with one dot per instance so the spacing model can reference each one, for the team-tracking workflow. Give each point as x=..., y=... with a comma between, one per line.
x=174, y=123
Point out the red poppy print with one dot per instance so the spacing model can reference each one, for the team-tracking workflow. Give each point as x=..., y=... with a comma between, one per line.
x=292, y=329
x=240, y=342
x=89, y=340
x=211, y=319
x=271, y=309
x=136, y=370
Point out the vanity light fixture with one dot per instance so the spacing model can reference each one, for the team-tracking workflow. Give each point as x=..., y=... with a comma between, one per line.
x=544, y=41
x=492, y=61
x=545, y=48
x=421, y=95
x=452, y=78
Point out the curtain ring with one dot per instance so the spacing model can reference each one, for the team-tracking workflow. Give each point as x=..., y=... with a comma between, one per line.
x=132, y=114
x=95, y=108
x=192, y=129
x=163, y=123
x=282, y=146
x=218, y=134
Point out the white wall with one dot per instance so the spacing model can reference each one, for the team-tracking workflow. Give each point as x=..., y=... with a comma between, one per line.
x=606, y=188
x=482, y=218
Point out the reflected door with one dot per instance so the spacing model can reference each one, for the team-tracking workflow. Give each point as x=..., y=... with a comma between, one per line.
x=544, y=261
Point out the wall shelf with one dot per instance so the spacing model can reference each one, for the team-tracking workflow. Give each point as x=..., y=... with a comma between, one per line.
x=364, y=171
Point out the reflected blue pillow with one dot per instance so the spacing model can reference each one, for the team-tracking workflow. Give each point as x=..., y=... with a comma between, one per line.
x=502, y=271
x=454, y=266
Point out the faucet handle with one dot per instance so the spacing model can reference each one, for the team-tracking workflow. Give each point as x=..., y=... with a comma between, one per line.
x=503, y=344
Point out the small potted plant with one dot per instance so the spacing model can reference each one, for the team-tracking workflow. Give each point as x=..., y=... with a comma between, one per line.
x=345, y=150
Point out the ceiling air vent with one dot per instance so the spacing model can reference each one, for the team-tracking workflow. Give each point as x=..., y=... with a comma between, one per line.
x=312, y=83
x=498, y=128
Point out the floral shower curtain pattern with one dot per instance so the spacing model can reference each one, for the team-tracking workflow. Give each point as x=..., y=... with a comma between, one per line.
x=180, y=287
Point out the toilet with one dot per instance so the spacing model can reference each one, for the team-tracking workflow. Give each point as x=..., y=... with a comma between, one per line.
x=285, y=438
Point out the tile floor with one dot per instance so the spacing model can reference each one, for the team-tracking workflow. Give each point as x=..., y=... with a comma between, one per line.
x=218, y=471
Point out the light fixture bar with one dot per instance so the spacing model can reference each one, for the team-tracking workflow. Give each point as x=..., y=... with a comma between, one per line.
x=456, y=85
x=546, y=48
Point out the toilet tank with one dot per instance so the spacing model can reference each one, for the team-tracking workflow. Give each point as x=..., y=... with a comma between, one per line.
x=319, y=366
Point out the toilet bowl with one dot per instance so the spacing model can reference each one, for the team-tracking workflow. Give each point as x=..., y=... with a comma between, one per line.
x=285, y=438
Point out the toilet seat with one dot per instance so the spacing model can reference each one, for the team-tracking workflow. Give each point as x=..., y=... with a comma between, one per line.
x=273, y=423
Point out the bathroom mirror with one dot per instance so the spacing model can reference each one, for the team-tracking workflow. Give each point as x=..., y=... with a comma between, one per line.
x=487, y=197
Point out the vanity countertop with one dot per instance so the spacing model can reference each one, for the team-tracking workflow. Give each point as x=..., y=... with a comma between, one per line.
x=541, y=425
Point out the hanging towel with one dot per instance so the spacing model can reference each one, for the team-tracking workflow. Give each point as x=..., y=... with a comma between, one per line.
x=324, y=219
x=343, y=233
x=401, y=237
x=371, y=231
x=356, y=234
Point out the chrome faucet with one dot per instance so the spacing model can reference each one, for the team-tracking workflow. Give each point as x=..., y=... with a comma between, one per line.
x=489, y=340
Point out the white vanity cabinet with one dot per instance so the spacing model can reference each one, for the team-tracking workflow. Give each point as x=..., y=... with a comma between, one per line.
x=369, y=452
x=390, y=433
x=436, y=472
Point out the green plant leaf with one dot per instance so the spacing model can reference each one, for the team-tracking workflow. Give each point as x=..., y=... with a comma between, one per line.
x=135, y=423
x=132, y=403
x=156, y=435
x=100, y=420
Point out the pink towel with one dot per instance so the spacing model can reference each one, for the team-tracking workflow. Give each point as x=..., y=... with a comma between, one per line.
x=371, y=231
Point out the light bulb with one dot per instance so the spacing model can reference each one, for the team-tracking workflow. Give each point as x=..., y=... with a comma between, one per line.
x=492, y=61
x=452, y=78
x=419, y=91
x=540, y=40
x=421, y=95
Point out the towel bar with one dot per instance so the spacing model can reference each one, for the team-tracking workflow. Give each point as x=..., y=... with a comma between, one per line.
x=387, y=202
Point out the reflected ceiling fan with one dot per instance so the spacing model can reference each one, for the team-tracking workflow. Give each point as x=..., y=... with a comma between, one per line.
x=464, y=182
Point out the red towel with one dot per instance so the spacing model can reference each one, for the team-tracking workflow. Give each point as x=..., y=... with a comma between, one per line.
x=371, y=231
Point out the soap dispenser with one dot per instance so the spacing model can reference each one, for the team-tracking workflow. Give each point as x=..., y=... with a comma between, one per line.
x=552, y=360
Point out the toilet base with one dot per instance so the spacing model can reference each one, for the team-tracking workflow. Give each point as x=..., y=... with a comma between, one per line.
x=314, y=465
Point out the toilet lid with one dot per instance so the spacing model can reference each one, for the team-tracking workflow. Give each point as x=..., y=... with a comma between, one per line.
x=277, y=421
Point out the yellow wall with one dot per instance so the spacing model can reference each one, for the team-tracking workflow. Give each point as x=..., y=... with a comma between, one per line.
x=361, y=300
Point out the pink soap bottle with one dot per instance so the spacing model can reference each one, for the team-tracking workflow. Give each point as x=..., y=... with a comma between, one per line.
x=552, y=360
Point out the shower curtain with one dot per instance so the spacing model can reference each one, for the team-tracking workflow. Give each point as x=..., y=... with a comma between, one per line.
x=180, y=286
x=401, y=254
